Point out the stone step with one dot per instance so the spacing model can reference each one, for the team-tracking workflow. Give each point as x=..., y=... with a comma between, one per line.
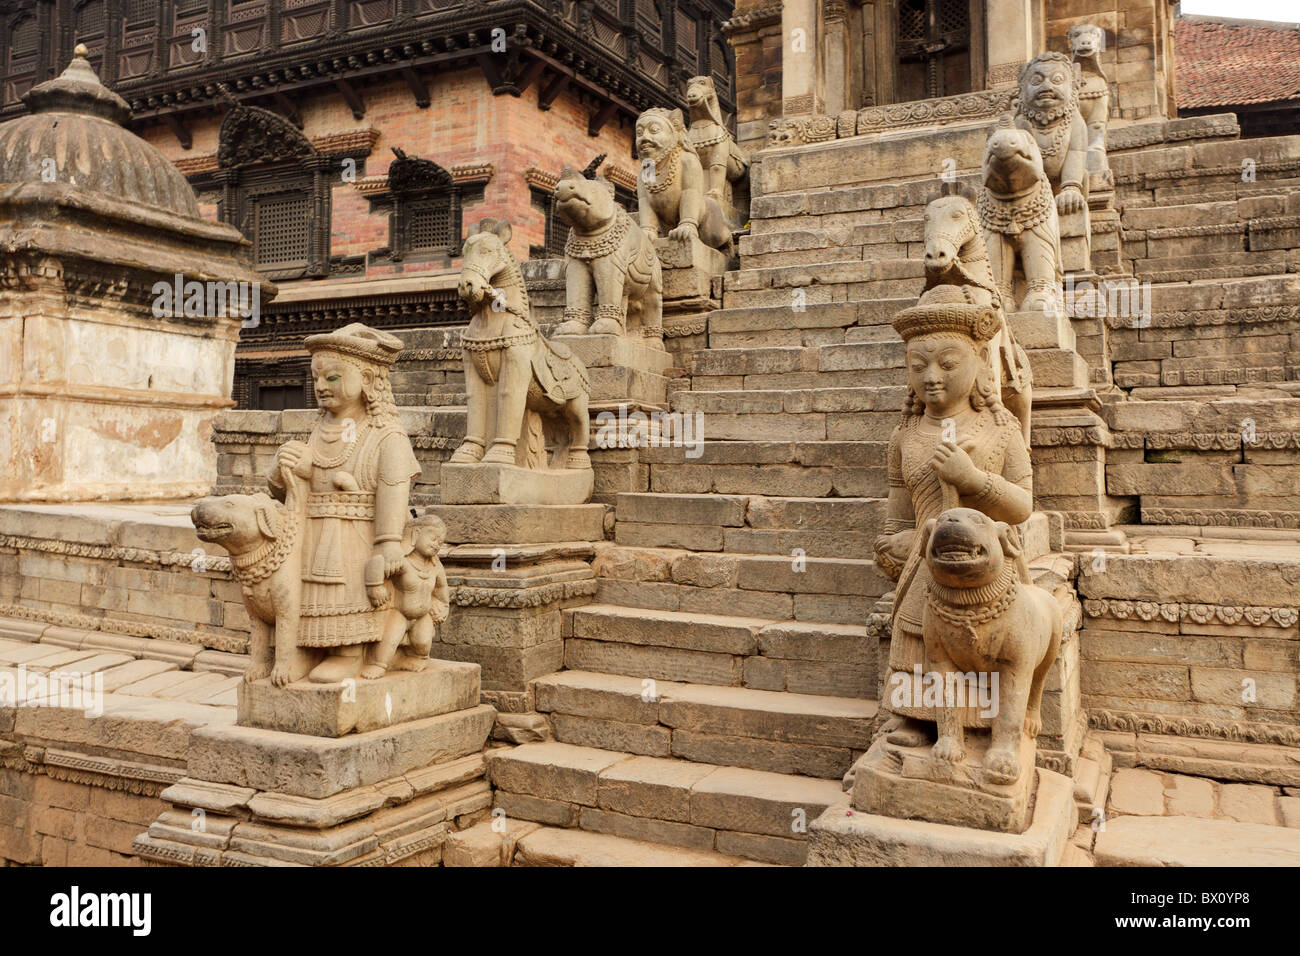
x=730, y=810
x=817, y=324
x=739, y=524
x=835, y=280
x=851, y=357
x=817, y=647
x=810, y=735
x=552, y=846
x=812, y=469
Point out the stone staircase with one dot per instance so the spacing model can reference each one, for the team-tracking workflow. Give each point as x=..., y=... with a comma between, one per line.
x=721, y=682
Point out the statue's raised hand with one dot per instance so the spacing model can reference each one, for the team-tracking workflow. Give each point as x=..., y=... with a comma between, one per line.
x=952, y=463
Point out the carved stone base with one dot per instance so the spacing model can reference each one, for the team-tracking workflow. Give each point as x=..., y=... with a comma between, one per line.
x=842, y=836
x=508, y=608
x=491, y=484
x=623, y=369
x=909, y=782
x=319, y=767
x=332, y=710
x=401, y=821
x=689, y=268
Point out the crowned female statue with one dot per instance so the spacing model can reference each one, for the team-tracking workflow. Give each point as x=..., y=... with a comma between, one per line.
x=955, y=447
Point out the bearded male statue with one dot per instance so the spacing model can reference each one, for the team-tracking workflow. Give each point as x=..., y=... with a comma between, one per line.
x=1049, y=109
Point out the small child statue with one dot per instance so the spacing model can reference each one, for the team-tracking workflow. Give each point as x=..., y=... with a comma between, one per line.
x=417, y=596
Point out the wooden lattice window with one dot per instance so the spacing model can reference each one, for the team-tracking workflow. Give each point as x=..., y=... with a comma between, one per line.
x=282, y=229
x=23, y=53
x=721, y=70
x=647, y=12
x=90, y=20
x=933, y=48
x=137, y=10
x=687, y=42
x=429, y=224
x=557, y=231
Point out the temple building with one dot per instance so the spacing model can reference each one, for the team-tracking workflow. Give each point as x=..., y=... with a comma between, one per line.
x=288, y=119
x=801, y=59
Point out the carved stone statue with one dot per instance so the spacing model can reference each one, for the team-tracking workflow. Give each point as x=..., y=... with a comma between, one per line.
x=956, y=446
x=308, y=569
x=418, y=595
x=513, y=375
x=1049, y=109
x=984, y=615
x=1086, y=44
x=608, y=260
x=263, y=537
x=721, y=159
x=672, y=190
x=955, y=255
x=972, y=637
x=1019, y=216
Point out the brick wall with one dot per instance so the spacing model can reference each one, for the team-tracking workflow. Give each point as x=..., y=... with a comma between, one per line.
x=465, y=124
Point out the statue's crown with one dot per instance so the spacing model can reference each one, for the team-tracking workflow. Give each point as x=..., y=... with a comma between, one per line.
x=359, y=341
x=946, y=308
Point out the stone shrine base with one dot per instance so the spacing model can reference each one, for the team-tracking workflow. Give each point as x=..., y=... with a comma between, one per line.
x=842, y=836
x=509, y=484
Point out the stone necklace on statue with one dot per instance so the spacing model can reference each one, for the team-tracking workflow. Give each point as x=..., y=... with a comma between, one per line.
x=706, y=134
x=665, y=170
x=596, y=245
x=1059, y=134
x=330, y=463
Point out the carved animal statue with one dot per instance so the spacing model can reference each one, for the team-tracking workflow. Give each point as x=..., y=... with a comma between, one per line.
x=1086, y=44
x=955, y=255
x=721, y=159
x=608, y=260
x=262, y=537
x=513, y=375
x=1013, y=629
x=1049, y=109
x=671, y=191
x=1019, y=217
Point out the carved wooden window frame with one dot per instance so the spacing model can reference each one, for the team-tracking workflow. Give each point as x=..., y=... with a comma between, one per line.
x=879, y=66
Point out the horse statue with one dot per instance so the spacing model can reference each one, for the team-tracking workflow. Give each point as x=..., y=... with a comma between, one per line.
x=514, y=377
x=956, y=255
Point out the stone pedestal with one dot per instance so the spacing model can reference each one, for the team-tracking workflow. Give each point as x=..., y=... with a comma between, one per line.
x=689, y=268
x=624, y=370
x=692, y=289
x=510, y=484
x=1069, y=442
x=909, y=781
x=513, y=572
x=842, y=836
x=333, y=710
x=1076, y=242
x=254, y=796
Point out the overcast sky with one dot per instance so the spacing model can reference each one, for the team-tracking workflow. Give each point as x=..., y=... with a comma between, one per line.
x=1285, y=11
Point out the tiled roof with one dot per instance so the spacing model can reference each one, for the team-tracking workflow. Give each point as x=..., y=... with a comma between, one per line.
x=1233, y=64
